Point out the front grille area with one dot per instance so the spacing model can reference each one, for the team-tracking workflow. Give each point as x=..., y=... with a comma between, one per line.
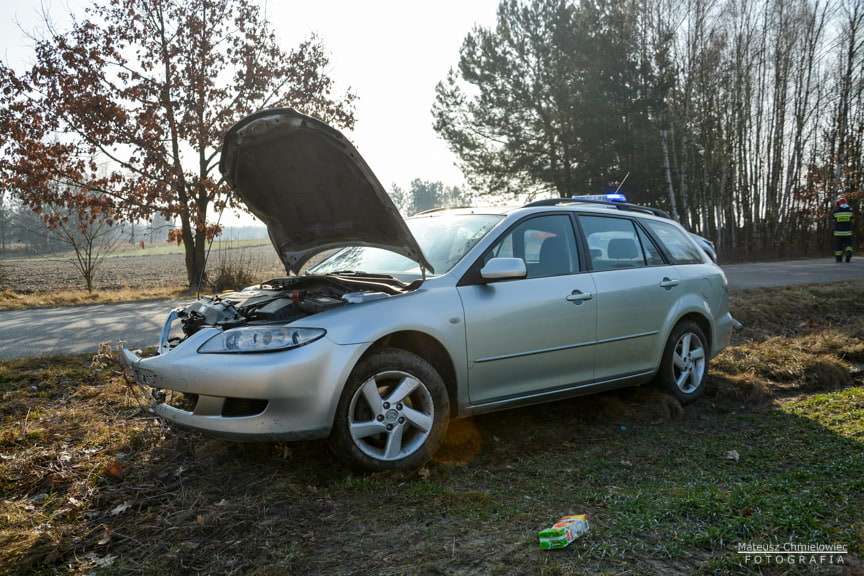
x=238, y=407
x=181, y=401
x=231, y=407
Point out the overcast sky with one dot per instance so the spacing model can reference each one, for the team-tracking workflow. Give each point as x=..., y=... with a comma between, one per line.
x=391, y=53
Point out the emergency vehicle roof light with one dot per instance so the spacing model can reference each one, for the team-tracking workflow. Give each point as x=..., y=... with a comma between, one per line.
x=610, y=197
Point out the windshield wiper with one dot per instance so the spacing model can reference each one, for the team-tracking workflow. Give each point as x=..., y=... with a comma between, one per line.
x=357, y=273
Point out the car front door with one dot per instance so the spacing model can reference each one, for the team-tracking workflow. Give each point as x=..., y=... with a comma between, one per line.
x=534, y=335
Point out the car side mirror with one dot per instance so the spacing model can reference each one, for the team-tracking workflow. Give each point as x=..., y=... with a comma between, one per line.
x=504, y=269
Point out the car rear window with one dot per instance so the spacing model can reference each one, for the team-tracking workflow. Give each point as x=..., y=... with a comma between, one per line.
x=677, y=243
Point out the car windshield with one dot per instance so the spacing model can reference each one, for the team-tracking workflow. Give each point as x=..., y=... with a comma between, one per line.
x=444, y=240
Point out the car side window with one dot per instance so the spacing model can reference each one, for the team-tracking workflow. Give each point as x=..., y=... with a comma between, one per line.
x=546, y=244
x=677, y=243
x=616, y=243
x=653, y=257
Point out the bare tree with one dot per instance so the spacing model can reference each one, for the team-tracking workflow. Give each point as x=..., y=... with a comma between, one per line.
x=91, y=239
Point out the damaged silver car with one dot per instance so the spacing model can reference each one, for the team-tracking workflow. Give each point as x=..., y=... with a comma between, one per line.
x=409, y=323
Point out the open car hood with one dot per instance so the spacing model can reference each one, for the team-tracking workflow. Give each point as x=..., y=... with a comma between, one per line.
x=311, y=187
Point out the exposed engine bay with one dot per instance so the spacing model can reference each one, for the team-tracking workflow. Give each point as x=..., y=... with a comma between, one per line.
x=282, y=300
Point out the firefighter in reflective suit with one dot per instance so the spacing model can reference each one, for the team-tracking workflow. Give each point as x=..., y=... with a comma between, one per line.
x=842, y=217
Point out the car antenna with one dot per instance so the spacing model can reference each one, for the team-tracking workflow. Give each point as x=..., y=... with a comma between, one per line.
x=620, y=184
x=207, y=254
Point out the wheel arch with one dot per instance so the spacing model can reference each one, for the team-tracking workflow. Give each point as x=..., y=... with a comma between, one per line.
x=701, y=321
x=428, y=348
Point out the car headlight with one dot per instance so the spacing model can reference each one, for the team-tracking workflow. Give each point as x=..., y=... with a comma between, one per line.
x=260, y=339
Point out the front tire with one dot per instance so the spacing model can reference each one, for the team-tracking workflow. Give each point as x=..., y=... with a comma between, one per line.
x=392, y=413
x=685, y=363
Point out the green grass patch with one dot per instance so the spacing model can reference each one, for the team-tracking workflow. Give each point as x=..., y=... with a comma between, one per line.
x=842, y=412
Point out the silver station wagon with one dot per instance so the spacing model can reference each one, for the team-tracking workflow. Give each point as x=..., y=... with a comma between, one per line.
x=409, y=323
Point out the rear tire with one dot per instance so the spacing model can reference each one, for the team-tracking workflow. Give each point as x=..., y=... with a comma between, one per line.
x=392, y=414
x=684, y=366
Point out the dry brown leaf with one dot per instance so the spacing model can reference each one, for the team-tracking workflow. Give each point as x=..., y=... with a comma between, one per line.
x=106, y=535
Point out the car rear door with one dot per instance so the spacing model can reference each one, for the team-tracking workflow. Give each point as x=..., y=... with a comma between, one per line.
x=637, y=292
x=535, y=335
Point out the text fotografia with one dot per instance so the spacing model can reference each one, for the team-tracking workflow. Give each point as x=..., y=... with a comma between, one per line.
x=793, y=553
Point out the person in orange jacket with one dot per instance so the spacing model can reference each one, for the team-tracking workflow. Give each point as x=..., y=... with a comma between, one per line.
x=842, y=217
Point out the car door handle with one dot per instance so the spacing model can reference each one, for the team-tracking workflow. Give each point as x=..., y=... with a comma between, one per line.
x=579, y=296
x=668, y=283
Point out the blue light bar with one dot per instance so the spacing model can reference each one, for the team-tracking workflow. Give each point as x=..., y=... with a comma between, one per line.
x=610, y=197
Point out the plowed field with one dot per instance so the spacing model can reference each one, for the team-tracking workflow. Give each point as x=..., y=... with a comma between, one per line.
x=44, y=275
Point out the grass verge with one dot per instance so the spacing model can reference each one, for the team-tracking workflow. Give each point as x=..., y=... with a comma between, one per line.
x=11, y=300
x=773, y=454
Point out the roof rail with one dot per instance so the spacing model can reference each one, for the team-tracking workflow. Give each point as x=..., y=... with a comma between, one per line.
x=618, y=205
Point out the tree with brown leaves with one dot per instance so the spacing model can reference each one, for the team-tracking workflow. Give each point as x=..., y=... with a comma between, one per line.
x=148, y=88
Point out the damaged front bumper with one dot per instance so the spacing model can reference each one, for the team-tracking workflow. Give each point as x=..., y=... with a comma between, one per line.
x=286, y=395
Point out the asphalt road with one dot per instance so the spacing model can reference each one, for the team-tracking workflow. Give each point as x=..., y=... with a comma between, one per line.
x=80, y=329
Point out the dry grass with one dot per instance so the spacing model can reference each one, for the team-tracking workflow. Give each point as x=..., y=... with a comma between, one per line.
x=232, y=269
x=59, y=457
x=803, y=338
x=795, y=310
x=11, y=300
